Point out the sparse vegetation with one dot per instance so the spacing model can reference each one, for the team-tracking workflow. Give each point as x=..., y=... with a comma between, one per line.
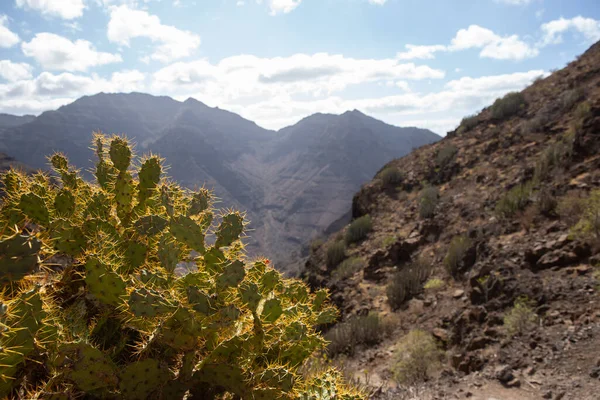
x=418, y=356
x=514, y=201
x=428, y=201
x=589, y=224
x=508, y=105
x=347, y=268
x=541, y=118
x=407, y=282
x=388, y=241
x=456, y=254
x=556, y=155
x=546, y=202
x=469, y=122
x=359, y=330
x=445, y=156
x=571, y=97
x=358, y=229
x=434, y=284
x=316, y=244
x=571, y=208
x=521, y=318
x=336, y=252
x=391, y=176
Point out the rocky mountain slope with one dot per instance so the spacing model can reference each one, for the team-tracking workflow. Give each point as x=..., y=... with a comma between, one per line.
x=488, y=241
x=9, y=121
x=293, y=183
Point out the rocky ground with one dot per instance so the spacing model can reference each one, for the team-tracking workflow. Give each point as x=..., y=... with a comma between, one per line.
x=533, y=254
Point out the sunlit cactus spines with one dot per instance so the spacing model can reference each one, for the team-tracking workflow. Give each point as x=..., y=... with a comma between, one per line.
x=99, y=300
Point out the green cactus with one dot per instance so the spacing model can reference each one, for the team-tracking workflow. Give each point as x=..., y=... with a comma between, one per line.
x=116, y=320
x=18, y=256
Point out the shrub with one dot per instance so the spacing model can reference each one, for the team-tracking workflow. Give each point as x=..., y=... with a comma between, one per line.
x=388, y=241
x=434, y=284
x=546, y=202
x=459, y=246
x=391, y=176
x=446, y=155
x=428, y=201
x=555, y=155
x=358, y=330
x=408, y=282
x=515, y=200
x=571, y=208
x=541, y=118
x=469, y=122
x=347, y=268
x=521, y=318
x=571, y=97
x=417, y=357
x=589, y=224
x=358, y=229
x=117, y=321
x=336, y=252
x=508, y=105
x=316, y=244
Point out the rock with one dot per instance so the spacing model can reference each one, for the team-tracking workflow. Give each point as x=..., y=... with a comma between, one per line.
x=560, y=395
x=478, y=343
x=514, y=383
x=595, y=372
x=547, y=395
x=504, y=373
x=583, y=269
x=556, y=258
x=458, y=293
x=441, y=334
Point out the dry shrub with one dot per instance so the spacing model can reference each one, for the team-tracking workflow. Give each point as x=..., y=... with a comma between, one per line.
x=417, y=357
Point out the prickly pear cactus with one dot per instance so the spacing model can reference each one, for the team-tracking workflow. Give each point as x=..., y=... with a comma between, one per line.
x=94, y=306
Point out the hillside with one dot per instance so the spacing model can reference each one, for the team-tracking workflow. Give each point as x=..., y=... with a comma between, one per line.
x=293, y=183
x=489, y=241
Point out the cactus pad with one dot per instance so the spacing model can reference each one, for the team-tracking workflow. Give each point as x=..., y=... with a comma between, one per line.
x=106, y=285
x=169, y=254
x=271, y=310
x=70, y=241
x=150, y=225
x=120, y=153
x=269, y=281
x=230, y=229
x=86, y=366
x=250, y=295
x=232, y=275
x=18, y=256
x=64, y=203
x=150, y=172
x=199, y=300
x=227, y=376
x=140, y=379
x=135, y=255
x=35, y=208
x=148, y=303
x=200, y=202
x=187, y=231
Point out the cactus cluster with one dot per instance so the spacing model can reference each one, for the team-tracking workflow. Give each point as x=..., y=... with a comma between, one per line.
x=93, y=304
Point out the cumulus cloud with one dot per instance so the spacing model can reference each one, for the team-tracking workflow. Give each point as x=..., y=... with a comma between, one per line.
x=7, y=37
x=172, y=43
x=491, y=44
x=49, y=91
x=11, y=71
x=66, y=9
x=420, y=52
x=553, y=30
x=55, y=52
x=514, y=2
x=282, y=6
x=378, y=2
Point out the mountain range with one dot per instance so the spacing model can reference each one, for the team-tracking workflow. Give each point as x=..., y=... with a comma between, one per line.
x=293, y=183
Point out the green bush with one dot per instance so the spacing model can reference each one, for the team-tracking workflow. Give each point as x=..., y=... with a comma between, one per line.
x=434, y=284
x=336, y=252
x=468, y=123
x=418, y=356
x=546, y=202
x=445, y=156
x=408, y=282
x=571, y=208
x=554, y=156
x=521, y=318
x=358, y=229
x=388, y=241
x=391, y=176
x=347, y=268
x=508, y=105
x=117, y=321
x=459, y=246
x=358, y=330
x=316, y=244
x=514, y=201
x=571, y=97
x=428, y=201
x=589, y=224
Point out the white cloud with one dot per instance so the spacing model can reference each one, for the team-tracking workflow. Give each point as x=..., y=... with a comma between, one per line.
x=420, y=52
x=7, y=37
x=49, y=91
x=11, y=71
x=66, y=9
x=403, y=85
x=491, y=44
x=126, y=24
x=514, y=2
x=378, y=2
x=55, y=52
x=553, y=30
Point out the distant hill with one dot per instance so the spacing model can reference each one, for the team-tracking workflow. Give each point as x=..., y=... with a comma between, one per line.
x=9, y=121
x=293, y=183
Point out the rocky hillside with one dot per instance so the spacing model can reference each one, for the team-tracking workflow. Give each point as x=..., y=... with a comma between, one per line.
x=293, y=183
x=489, y=242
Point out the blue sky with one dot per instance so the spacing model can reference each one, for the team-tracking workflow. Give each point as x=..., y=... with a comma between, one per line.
x=408, y=62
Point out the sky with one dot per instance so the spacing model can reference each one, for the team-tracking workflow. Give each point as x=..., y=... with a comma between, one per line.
x=424, y=63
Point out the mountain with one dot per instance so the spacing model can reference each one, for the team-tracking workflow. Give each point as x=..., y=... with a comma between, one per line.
x=292, y=183
x=485, y=244
x=9, y=121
